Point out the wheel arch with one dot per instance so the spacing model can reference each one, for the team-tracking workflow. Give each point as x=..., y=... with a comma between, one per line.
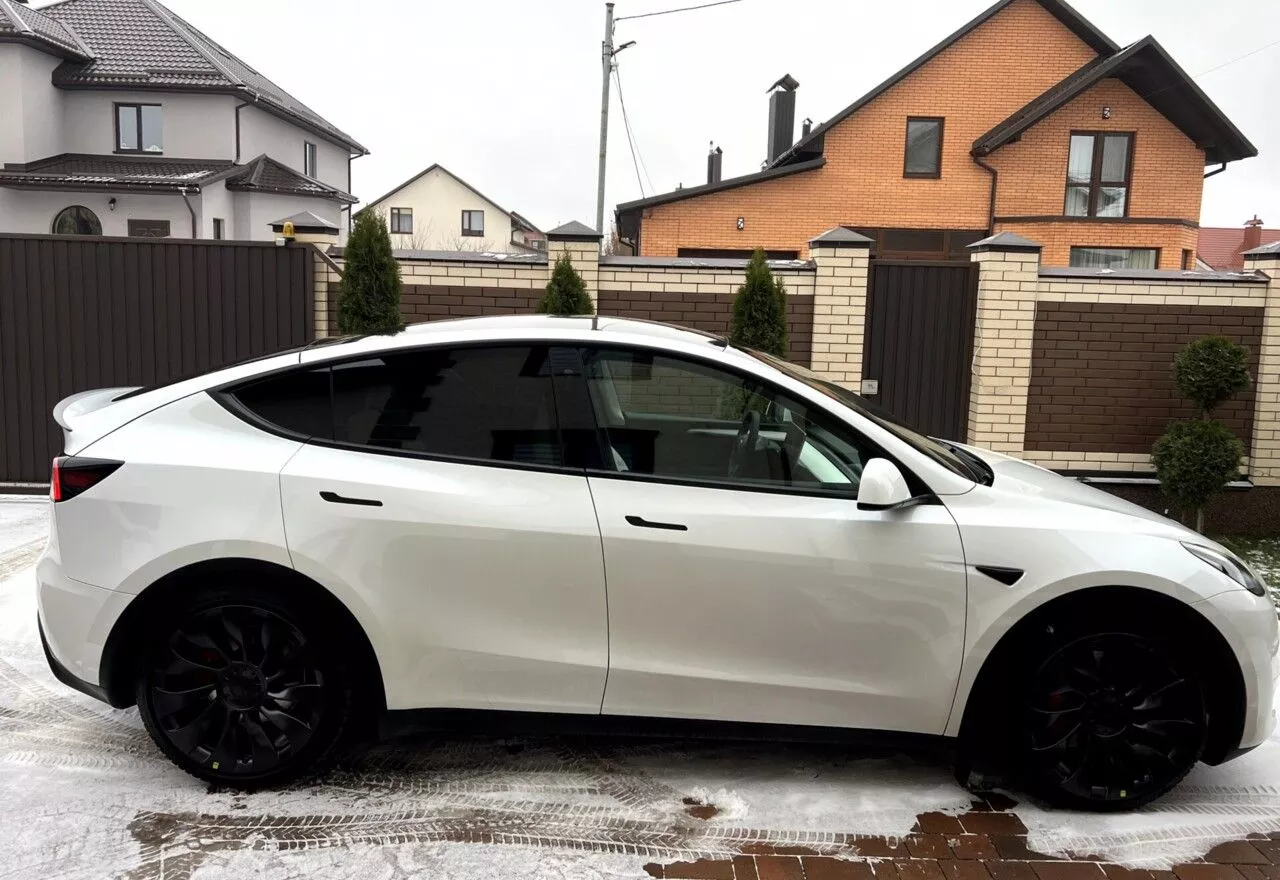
x=1226, y=700
x=118, y=667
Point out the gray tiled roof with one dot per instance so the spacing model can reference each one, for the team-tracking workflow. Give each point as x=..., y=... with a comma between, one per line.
x=265, y=174
x=142, y=43
x=18, y=20
x=262, y=174
x=112, y=172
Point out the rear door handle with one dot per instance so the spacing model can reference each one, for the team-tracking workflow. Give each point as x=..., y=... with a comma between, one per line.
x=650, y=524
x=335, y=498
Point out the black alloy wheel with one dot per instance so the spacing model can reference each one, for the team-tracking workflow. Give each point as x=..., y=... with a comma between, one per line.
x=239, y=694
x=1112, y=721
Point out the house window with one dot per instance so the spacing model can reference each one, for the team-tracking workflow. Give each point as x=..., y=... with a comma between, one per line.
x=139, y=128
x=1188, y=259
x=402, y=220
x=1115, y=258
x=308, y=158
x=922, y=156
x=148, y=228
x=219, y=229
x=473, y=222
x=76, y=220
x=1098, y=172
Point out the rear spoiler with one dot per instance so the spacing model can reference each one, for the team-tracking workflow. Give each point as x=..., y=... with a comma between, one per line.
x=71, y=410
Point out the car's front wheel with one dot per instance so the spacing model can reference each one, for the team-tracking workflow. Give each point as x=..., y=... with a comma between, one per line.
x=245, y=688
x=1110, y=720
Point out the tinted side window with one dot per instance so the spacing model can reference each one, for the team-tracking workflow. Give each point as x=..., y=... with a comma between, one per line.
x=297, y=402
x=668, y=417
x=481, y=403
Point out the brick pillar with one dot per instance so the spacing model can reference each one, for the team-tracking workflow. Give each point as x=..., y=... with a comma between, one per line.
x=839, y=305
x=1264, y=451
x=582, y=244
x=1008, y=278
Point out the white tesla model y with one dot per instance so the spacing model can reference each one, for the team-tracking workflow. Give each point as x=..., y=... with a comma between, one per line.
x=612, y=518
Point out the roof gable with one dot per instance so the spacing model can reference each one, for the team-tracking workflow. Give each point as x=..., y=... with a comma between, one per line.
x=810, y=146
x=1221, y=247
x=435, y=166
x=1148, y=70
x=142, y=44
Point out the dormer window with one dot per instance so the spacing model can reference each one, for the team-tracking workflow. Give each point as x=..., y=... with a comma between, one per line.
x=139, y=128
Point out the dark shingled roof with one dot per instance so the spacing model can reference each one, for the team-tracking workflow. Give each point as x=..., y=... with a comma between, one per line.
x=1148, y=69
x=125, y=173
x=70, y=171
x=265, y=174
x=20, y=22
x=141, y=44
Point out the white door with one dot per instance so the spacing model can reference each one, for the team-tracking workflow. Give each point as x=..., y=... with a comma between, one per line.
x=443, y=507
x=743, y=581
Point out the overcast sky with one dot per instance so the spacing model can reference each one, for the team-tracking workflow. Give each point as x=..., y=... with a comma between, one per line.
x=506, y=93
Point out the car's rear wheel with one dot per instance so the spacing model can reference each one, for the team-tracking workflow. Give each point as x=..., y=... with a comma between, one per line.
x=244, y=688
x=1110, y=720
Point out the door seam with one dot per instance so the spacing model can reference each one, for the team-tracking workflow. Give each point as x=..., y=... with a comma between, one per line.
x=604, y=577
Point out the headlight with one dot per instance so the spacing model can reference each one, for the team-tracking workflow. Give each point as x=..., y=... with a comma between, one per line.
x=1232, y=566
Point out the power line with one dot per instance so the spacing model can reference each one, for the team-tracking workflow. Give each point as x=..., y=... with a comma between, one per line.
x=681, y=9
x=626, y=123
x=617, y=77
x=1234, y=60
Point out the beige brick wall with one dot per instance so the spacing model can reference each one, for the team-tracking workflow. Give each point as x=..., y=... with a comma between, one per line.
x=1265, y=464
x=839, y=313
x=1009, y=288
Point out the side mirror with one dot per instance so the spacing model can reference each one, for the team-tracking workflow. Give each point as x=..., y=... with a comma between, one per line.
x=882, y=486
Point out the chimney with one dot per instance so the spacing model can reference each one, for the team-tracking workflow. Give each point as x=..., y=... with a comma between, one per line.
x=1252, y=234
x=782, y=116
x=713, y=164
x=806, y=127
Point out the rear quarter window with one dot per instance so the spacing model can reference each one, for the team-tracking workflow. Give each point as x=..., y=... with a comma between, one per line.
x=296, y=402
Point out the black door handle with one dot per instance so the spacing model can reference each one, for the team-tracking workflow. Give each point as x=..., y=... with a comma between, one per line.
x=335, y=498
x=649, y=524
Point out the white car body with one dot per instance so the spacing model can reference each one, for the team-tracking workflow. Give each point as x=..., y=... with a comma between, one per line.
x=488, y=587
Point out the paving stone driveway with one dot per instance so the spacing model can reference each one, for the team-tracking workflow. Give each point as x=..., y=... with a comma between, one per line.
x=987, y=843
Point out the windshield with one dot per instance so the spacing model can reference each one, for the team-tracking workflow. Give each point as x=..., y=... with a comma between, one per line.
x=955, y=459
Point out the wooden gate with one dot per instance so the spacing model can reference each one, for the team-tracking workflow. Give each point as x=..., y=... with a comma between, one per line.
x=87, y=312
x=919, y=342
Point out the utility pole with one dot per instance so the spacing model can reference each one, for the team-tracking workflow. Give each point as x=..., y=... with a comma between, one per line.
x=606, y=62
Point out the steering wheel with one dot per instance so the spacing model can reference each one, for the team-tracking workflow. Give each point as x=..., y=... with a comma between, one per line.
x=748, y=439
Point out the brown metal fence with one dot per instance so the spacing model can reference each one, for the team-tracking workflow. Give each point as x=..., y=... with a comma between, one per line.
x=84, y=312
x=919, y=342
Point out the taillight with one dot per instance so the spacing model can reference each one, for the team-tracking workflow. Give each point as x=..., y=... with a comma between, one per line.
x=72, y=475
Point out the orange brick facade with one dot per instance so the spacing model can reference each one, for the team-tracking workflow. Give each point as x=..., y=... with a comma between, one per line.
x=974, y=83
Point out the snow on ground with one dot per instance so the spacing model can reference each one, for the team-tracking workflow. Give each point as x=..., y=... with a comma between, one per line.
x=83, y=793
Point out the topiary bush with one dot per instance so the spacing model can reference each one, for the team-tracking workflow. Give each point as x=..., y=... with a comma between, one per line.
x=760, y=310
x=1195, y=459
x=369, y=301
x=1210, y=370
x=566, y=292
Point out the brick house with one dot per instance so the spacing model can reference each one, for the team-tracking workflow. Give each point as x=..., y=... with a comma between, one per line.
x=1028, y=119
x=1222, y=248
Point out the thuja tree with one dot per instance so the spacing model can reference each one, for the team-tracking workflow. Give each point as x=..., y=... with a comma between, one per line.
x=370, y=298
x=760, y=310
x=1195, y=459
x=566, y=291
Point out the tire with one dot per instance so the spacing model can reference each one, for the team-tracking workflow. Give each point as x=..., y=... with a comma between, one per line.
x=246, y=688
x=1109, y=719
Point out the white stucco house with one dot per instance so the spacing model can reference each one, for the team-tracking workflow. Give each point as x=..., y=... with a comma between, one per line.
x=117, y=117
x=438, y=210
